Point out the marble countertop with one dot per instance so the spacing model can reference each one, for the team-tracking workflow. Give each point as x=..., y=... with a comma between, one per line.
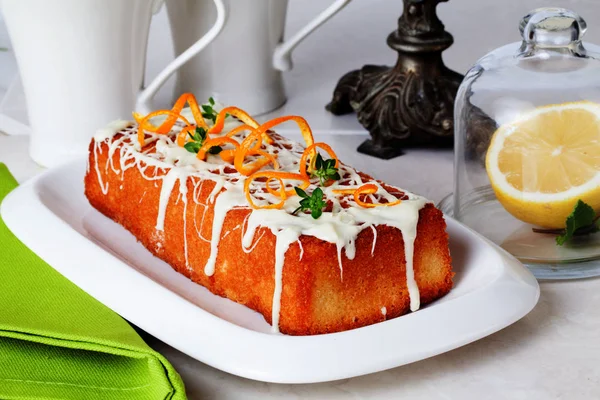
x=552, y=353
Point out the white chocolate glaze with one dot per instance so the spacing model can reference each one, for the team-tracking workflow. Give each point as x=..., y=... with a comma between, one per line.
x=285, y=237
x=171, y=164
x=374, y=240
x=227, y=200
x=165, y=194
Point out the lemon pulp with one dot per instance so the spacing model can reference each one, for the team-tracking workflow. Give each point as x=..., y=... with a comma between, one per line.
x=542, y=163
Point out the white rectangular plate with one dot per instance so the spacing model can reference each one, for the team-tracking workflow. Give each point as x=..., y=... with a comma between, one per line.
x=51, y=215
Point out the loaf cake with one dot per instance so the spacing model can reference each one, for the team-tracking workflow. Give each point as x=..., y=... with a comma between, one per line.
x=291, y=232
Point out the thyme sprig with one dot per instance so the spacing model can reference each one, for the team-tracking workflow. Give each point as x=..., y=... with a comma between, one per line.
x=197, y=141
x=313, y=202
x=325, y=170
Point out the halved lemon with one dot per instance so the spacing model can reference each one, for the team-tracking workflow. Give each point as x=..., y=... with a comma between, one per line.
x=540, y=164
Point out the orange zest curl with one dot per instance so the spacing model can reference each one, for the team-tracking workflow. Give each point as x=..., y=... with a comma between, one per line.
x=182, y=137
x=247, y=127
x=269, y=175
x=310, y=151
x=249, y=169
x=228, y=155
x=178, y=107
x=271, y=157
x=145, y=125
x=193, y=103
x=253, y=141
x=242, y=116
x=168, y=124
x=302, y=124
x=369, y=188
x=236, y=112
x=239, y=129
x=288, y=176
x=208, y=144
x=366, y=189
x=344, y=191
x=250, y=146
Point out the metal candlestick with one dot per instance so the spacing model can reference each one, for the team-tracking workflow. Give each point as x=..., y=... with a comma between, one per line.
x=412, y=103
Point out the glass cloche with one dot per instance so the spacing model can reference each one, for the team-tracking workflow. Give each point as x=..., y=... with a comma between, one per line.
x=527, y=147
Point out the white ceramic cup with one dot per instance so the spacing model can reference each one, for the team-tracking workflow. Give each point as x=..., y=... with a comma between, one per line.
x=82, y=65
x=243, y=65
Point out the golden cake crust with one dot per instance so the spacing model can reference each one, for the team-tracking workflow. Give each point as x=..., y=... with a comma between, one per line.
x=317, y=296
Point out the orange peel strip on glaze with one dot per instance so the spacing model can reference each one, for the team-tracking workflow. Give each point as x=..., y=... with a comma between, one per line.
x=251, y=168
x=178, y=107
x=182, y=137
x=301, y=122
x=236, y=112
x=242, y=116
x=144, y=124
x=288, y=176
x=369, y=188
x=166, y=126
x=310, y=151
x=270, y=175
x=253, y=136
x=228, y=155
x=247, y=149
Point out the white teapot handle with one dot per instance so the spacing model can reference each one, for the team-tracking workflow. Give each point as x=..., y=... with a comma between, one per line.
x=282, y=57
x=144, y=101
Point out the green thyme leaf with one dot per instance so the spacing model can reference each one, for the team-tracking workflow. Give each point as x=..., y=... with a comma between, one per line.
x=301, y=193
x=325, y=170
x=209, y=112
x=215, y=150
x=197, y=140
x=319, y=161
x=583, y=220
x=209, y=116
x=313, y=203
x=192, y=147
x=305, y=203
x=200, y=134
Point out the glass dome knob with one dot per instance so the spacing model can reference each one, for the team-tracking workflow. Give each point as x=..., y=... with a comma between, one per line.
x=552, y=28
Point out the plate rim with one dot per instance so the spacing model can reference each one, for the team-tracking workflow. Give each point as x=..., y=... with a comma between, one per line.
x=24, y=206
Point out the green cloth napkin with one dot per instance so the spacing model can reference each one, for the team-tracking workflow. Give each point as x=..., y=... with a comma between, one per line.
x=57, y=342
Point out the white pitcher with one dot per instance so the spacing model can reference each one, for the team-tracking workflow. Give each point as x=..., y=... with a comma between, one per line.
x=82, y=65
x=243, y=65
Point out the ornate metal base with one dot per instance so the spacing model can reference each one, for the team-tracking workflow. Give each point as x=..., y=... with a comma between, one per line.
x=412, y=103
x=372, y=149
